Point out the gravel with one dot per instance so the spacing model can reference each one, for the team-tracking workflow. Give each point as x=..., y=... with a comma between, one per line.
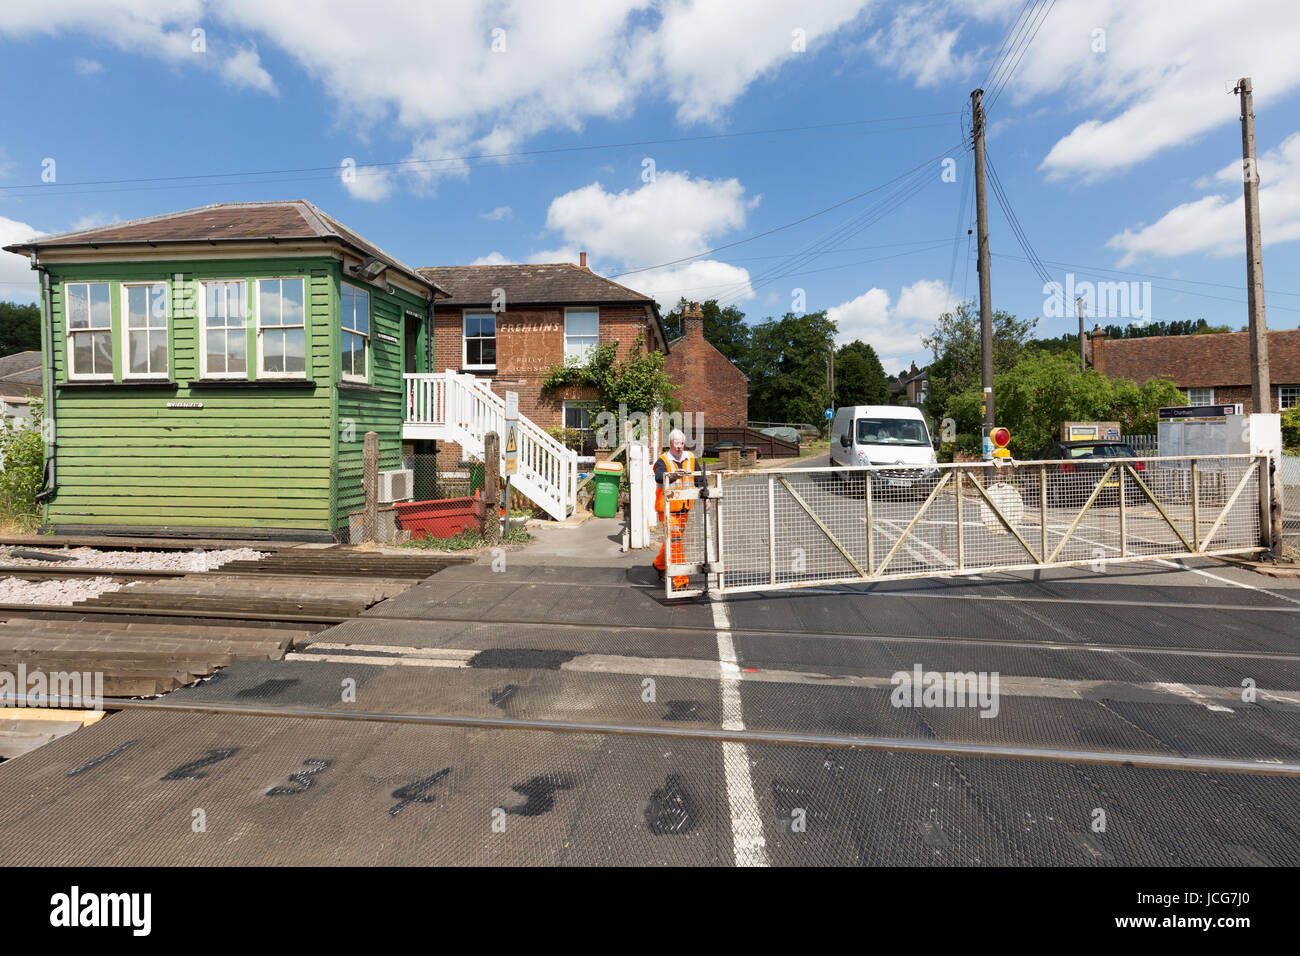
x=196, y=560
x=72, y=590
x=19, y=591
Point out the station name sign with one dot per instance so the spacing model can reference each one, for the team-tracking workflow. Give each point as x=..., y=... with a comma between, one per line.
x=1200, y=411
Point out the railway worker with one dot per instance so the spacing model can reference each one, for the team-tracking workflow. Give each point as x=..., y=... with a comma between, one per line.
x=684, y=467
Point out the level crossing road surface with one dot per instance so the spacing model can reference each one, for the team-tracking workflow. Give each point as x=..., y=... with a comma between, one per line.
x=567, y=714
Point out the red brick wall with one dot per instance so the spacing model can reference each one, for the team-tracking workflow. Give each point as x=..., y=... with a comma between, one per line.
x=530, y=341
x=708, y=383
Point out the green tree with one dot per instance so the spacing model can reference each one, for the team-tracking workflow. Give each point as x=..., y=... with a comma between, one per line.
x=637, y=381
x=20, y=328
x=724, y=329
x=1042, y=391
x=787, y=368
x=859, y=376
x=955, y=343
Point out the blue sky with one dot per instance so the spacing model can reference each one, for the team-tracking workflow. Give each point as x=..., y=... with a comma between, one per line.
x=649, y=133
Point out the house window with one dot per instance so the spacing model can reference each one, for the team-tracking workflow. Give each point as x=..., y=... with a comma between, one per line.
x=1200, y=396
x=480, y=340
x=90, y=335
x=145, y=328
x=581, y=333
x=577, y=415
x=1288, y=396
x=225, y=340
x=354, y=340
x=281, y=327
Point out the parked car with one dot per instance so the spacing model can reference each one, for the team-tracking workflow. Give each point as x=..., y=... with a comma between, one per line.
x=886, y=435
x=1079, y=465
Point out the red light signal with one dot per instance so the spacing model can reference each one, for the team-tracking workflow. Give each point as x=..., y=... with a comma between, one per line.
x=1000, y=437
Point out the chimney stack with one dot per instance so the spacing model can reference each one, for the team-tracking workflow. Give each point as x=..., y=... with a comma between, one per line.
x=1095, y=358
x=693, y=321
x=582, y=260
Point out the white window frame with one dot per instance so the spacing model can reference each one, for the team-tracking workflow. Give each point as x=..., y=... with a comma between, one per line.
x=577, y=402
x=202, y=291
x=1295, y=389
x=149, y=330
x=464, y=339
x=364, y=377
x=262, y=373
x=69, y=333
x=573, y=355
x=1210, y=401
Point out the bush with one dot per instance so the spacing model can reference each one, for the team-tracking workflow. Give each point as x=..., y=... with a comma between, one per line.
x=1291, y=427
x=22, y=455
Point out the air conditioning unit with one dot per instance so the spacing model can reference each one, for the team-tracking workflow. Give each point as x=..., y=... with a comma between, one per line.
x=398, y=485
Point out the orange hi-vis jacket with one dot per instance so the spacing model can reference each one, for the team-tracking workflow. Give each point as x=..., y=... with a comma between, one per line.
x=682, y=472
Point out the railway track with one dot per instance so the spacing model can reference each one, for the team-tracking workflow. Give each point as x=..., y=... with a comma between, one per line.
x=169, y=628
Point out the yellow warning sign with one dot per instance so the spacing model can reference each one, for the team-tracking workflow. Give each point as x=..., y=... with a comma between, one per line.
x=510, y=442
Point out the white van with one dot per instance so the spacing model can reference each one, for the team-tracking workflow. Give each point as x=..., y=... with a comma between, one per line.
x=885, y=435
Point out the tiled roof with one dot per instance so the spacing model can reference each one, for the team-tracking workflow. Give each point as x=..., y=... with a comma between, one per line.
x=1201, y=361
x=222, y=222
x=560, y=282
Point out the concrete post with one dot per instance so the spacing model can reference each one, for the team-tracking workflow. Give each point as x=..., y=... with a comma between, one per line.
x=370, y=484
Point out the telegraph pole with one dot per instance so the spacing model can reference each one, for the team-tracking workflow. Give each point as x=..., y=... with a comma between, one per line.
x=1083, y=362
x=986, y=293
x=1260, y=392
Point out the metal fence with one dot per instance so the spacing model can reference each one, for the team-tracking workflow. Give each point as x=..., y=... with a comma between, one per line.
x=1143, y=444
x=800, y=527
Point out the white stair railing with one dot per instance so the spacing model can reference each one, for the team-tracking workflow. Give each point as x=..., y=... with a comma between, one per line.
x=467, y=409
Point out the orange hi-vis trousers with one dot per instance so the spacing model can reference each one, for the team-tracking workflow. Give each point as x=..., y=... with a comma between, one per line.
x=674, y=531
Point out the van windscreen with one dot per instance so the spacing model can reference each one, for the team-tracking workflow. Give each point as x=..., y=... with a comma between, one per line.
x=892, y=431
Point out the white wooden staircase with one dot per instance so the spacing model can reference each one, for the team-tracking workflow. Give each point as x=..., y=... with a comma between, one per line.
x=451, y=406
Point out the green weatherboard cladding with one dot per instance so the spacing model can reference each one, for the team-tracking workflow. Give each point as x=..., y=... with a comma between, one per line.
x=275, y=457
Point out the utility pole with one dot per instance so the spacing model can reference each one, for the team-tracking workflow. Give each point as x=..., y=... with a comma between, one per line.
x=986, y=293
x=1083, y=362
x=1260, y=392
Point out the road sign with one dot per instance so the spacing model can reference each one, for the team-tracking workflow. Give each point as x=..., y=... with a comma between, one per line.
x=830, y=413
x=512, y=433
x=512, y=448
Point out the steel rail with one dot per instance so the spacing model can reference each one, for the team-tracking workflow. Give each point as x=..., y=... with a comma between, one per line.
x=1146, y=760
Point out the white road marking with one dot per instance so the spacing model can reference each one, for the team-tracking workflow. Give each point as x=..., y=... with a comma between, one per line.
x=746, y=824
x=1240, y=584
x=1182, y=690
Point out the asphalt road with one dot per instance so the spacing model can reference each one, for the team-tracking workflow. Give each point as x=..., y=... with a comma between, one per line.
x=1145, y=714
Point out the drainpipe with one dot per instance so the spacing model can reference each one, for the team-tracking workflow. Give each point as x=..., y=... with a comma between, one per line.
x=47, y=384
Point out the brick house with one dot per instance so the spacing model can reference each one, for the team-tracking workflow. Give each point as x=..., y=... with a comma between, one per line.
x=1210, y=369
x=708, y=382
x=912, y=388
x=512, y=323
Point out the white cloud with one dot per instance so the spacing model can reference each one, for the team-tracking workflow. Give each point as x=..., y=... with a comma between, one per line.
x=696, y=281
x=673, y=217
x=1216, y=224
x=368, y=183
x=244, y=70
x=493, y=258
x=919, y=48
x=497, y=214
x=894, y=331
x=92, y=219
x=17, y=280
x=87, y=67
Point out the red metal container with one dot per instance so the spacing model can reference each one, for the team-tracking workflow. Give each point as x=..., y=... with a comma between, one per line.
x=443, y=518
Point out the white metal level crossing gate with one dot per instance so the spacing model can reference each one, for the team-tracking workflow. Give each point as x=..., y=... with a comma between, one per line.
x=788, y=528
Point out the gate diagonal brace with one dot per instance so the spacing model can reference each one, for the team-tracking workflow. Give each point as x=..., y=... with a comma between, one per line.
x=825, y=530
x=1214, y=528
x=1074, y=525
x=912, y=524
x=1168, y=520
x=1040, y=559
